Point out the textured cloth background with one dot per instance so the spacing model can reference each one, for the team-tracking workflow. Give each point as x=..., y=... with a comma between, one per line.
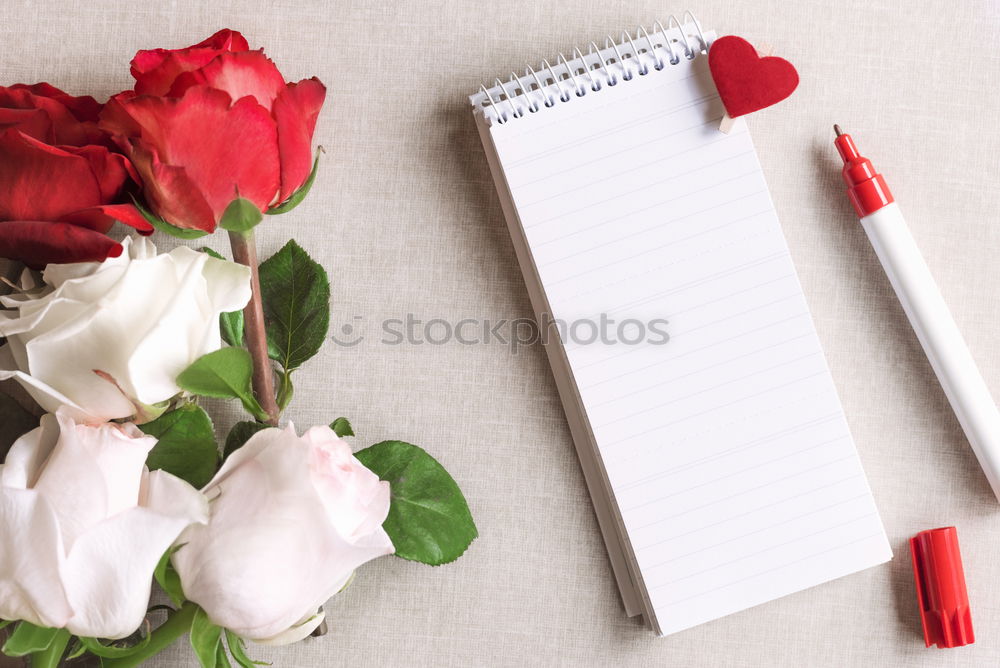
x=405, y=218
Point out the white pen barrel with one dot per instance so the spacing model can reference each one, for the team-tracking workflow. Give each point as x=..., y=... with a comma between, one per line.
x=939, y=335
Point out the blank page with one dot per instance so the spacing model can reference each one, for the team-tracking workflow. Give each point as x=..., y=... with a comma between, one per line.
x=725, y=448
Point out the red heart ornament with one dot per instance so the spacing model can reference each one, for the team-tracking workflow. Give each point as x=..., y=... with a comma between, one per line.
x=747, y=82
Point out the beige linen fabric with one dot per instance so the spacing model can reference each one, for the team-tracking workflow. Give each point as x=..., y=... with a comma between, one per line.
x=405, y=218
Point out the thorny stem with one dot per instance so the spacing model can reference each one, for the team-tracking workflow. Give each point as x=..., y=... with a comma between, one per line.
x=245, y=252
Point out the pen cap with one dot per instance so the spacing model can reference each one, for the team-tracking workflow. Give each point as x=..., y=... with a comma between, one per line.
x=941, y=592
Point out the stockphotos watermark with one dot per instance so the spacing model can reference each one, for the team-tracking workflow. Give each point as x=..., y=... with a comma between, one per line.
x=515, y=333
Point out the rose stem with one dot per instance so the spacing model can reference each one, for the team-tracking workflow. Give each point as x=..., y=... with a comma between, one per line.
x=162, y=637
x=245, y=252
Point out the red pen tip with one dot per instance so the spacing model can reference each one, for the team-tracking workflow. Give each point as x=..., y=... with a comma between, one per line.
x=845, y=146
x=865, y=186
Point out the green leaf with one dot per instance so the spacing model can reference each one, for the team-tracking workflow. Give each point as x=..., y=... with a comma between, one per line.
x=168, y=578
x=240, y=434
x=113, y=651
x=429, y=520
x=165, y=227
x=295, y=291
x=238, y=649
x=205, y=639
x=186, y=447
x=296, y=197
x=241, y=216
x=28, y=638
x=341, y=427
x=15, y=422
x=224, y=374
x=231, y=323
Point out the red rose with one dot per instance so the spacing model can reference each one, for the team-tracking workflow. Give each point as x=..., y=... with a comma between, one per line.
x=210, y=121
x=58, y=179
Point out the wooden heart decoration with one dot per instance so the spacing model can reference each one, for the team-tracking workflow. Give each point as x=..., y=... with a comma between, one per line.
x=747, y=82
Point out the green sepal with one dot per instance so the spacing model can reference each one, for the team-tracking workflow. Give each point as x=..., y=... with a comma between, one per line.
x=26, y=638
x=165, y=227
x=51, y=656
x=429, y=519
x=206, y=639
x=238, y=650
x=168, y=578
x=77, y=649
x=240, y=216
x=97, y=648
x=341, y=427
x=148, y=412
x=221, y=657
x=186, y=444
x=296, y=197
x=224, y=374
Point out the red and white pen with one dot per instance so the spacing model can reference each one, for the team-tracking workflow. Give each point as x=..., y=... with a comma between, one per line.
x=924, y=306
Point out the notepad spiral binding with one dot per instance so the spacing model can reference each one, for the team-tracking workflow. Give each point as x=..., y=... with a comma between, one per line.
x=618, y=61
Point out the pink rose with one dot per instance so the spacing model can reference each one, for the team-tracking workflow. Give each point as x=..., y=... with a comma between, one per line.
x=83, y=524
x=291, y=518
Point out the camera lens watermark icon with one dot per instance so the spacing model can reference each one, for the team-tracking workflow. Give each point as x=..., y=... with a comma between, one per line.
x=348, y=335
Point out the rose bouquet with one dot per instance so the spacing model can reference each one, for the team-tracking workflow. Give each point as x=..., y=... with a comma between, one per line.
x=121, y=483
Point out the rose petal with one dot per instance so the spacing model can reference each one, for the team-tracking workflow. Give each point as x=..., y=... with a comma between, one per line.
x=30, y=585
x=299, y=631
x=228, y=284
x=155, y=70
x=170, y=192
x=51, y=399
x=28, y=453
x=222, y=149
x=71, y=119
x=39, y=243
x=181, y=330
x=110, y=169
x=108, y=572
x=42, y=182
x=32, y=122
x=102, y=217
x=83, y=107
x=92, y=473
x=344, y=482
x=295, y=111
x=239, y=74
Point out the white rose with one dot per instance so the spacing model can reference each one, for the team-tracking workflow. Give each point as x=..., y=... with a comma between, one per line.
x=291, y=518
x=83, y=524
x=105, y=339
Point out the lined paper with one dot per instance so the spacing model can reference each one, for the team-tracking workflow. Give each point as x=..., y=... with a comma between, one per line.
x=726, y=449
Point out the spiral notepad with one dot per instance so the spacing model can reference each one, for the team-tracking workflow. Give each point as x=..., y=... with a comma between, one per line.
x=720, y=462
